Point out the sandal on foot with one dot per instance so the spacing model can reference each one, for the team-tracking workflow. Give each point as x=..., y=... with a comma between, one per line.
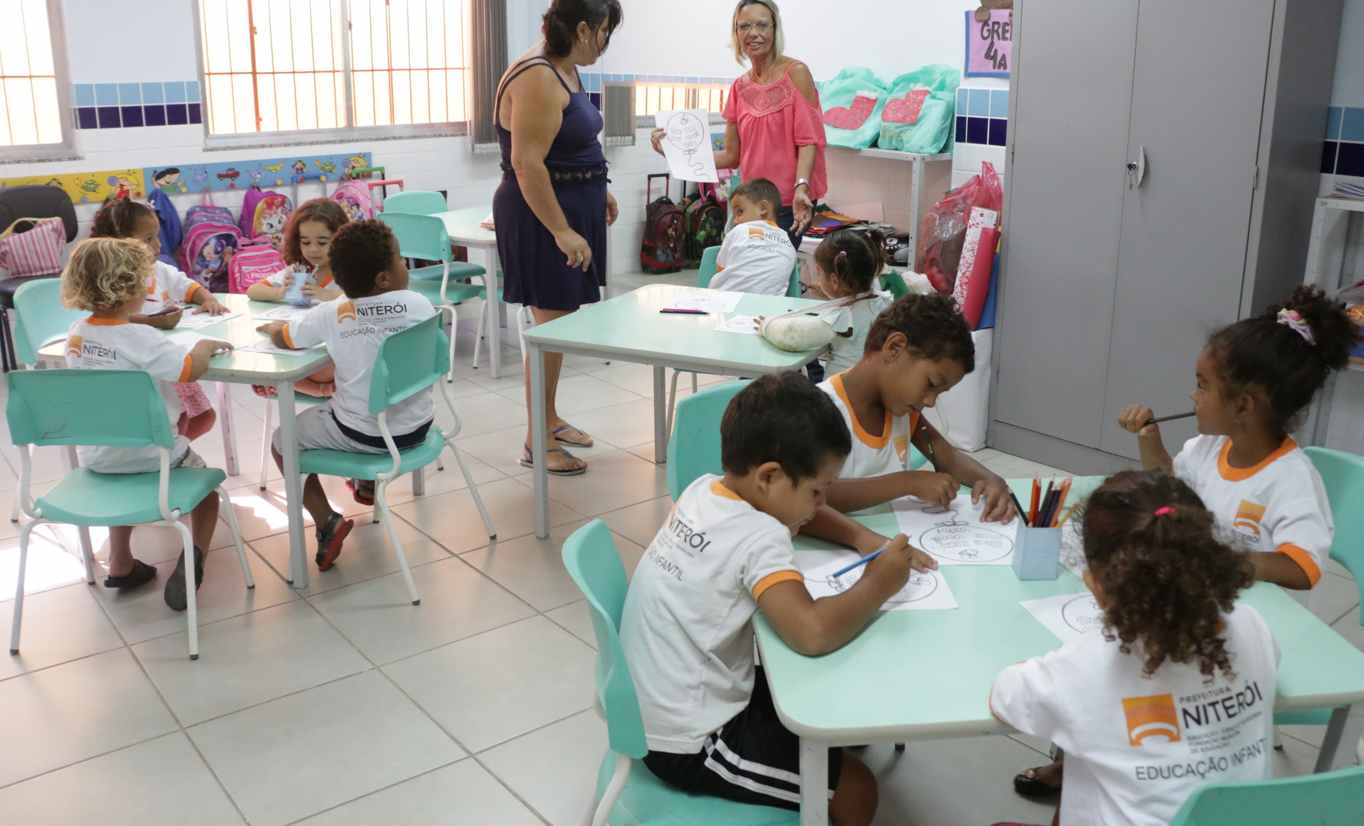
x=141, y=574
x=1028, y=784
x=329, y=540
x=175, y=594
x=577, y=470
x=572, y=436
x=362, y=491
x=265, y=391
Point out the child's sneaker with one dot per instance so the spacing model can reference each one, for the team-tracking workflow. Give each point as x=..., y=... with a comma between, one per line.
x=175, y=586
x=329, y=539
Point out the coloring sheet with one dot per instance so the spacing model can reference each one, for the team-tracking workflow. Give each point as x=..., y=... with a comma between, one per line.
x=926, y=591
x=955, y=535
x=742, y=324
x=1069, y=616
x=191, y=320
x=707, y=301
x=268, y=348
x=687, y=145
x=282, y=313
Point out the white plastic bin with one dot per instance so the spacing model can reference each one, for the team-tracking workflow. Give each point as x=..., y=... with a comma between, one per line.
x=963, y=413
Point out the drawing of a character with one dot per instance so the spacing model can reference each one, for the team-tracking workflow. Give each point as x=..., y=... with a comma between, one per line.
x=300, y=171
x=272, y=225
x=325, y=166
x=168, y=180
x=230, y=175
x=353, y=163
x=275, y=168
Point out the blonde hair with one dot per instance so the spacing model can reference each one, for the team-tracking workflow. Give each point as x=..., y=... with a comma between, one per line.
x=778, y=36
x=104, y=274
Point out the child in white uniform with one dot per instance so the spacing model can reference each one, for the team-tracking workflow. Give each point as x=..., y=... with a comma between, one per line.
x=1178, y=690
x=848, y=264
x=756, y=255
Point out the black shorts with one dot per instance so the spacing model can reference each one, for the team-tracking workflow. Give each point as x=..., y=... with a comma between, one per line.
x=751, y=759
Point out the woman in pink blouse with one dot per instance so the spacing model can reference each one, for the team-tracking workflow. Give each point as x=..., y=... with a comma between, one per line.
x=774, y=124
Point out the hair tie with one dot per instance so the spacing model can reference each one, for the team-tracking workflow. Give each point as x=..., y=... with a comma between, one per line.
x=1294, y=321
x=1167, y=510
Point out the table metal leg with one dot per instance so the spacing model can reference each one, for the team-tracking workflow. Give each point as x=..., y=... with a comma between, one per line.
x=661, y=403
x=497, y=318
x=1326, y=758
x=225, y=422
x=293, y=488
x=814, y=783
x=540, y=475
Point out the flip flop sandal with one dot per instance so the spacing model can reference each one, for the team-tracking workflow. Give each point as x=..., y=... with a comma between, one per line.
x=528, y=461
x=329, y=541
x=362, y=495
x=582, y=440
x=265, y=391
x=1027, y=784
x=141, y=574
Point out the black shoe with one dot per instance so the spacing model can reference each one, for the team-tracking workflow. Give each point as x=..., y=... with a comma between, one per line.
x=141, y=574
x=329, y=539
x=175, y=586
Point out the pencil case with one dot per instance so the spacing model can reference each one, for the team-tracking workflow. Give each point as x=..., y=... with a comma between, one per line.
x=1038, y=555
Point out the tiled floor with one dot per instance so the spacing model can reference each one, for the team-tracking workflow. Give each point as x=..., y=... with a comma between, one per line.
x=347, y=705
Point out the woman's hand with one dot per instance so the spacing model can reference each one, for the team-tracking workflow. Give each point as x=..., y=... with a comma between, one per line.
x=612, y=209
x=804, y=209
x=656, y=138
x=575, y=248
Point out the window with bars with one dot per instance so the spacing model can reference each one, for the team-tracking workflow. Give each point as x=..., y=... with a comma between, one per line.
x=652, y=98
x=301, y=65
x=31, y=81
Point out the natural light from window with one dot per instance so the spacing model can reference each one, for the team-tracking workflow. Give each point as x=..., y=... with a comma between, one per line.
x=29, y=102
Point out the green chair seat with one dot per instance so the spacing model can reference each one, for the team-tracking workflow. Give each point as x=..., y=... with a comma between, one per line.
x=84, y=497
x=459, y=270
x=454, y=293
x=648, y=801
x=370, y=465
x=1327, y=799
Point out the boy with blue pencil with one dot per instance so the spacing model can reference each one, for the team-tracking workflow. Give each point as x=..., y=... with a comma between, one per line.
x=725, y=554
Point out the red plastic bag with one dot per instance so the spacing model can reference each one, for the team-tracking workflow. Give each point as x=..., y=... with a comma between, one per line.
x=943, y=230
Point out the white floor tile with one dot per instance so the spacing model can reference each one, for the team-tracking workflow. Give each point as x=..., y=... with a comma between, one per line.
x=576, y=619
x=464, y=794
x=490, y=688
x=502, y=449
x=554, y=769
x=613, y=481
x=621, y=425
x=452, y=519
x=58, y=626
x=531, y=568
x=487, y=412
x=73, y=712
x=248, y=660
x=299, y=755
x=640, y=523
x=162, y=782
x=457, y=602
x=445, y=481
x=49, y=565
x=580, y=393
x=366, y=554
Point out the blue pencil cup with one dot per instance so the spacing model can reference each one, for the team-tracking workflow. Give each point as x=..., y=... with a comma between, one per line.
x=293, y=293
x=1038, y=556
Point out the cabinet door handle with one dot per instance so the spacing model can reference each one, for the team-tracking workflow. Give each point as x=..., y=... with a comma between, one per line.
x=1136, y=170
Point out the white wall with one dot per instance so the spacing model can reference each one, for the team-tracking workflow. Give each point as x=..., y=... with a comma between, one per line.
x=1348, y=89
x=147, y=40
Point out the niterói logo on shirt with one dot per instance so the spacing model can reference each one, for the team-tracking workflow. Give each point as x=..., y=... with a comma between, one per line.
x=345, y=311
x=73, y=346
x=378, y=312
x=1153, y=716
x=1249, y=515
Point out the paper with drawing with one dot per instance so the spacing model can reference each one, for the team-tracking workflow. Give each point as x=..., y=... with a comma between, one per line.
x=687, y=145
x=1069, y=616
x=706, y=301
x=955, y=535
x=926, y=591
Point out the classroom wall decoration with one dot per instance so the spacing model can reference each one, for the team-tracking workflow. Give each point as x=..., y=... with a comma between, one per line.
x=244, y=174
x=989, y=44
x=87, y=187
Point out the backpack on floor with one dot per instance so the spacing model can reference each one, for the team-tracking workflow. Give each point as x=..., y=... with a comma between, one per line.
x=354, y=198
x=264, y=215
x=665, y=232
x=208, y=252
x=255, y=260
x=706, y=219
x=171, y=231
x=205, y=212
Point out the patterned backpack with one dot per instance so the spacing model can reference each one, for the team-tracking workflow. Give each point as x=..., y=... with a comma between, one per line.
x=264, y=215
x=206, y=212
x=665, y=232
x=255, y=260
x=354, y=198
x=208, y=251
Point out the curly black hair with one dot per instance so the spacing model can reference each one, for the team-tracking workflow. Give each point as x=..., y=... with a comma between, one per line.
x=1152, y=548
x=932, y=324
x=782, y=418
x=853, y=257
x=360, y=251
x=1261, y=353
x=118, y=217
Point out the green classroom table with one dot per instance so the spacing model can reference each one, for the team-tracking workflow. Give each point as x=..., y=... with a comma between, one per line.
x=925, y=674
x=631, y=328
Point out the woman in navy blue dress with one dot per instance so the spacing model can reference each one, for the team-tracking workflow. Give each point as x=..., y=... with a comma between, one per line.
x=552, y=209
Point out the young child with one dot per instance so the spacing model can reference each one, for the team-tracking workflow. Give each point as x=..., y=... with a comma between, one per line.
x=307, y=238
x=847, y=264
x=917, y=349
x=1253, y=379
x=366, y=265
x=167, y=290
x=1178, y=690
x=725, y=554
x=109, y=278
x=756, y=256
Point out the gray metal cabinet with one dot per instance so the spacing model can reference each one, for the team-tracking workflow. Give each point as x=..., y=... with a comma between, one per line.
x=1136, y=195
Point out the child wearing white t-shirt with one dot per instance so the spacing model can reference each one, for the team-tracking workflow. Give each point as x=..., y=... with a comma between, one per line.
x=367, y=266
x=109, y=277
x=725, y=554
x=1178, y=690
x=756, y=255
x=847, y=266
x=916, y=350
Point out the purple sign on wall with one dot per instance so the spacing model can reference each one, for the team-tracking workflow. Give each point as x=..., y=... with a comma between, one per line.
x=989, y=45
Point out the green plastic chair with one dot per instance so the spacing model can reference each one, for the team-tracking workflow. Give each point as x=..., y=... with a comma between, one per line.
x=52, y=407
x=415, y=202
x=40, y=318
x=628, y=794
x=894, y=283
x=694, y=448
x=421, y=236
x=1328, y=799
x=409, y=362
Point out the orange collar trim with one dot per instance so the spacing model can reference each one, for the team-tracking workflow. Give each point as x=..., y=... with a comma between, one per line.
x=1236, y=474
x=873, y=442
x=722, y=490
x=105, y=322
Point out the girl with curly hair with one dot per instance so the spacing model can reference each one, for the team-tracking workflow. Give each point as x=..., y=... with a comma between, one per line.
x=1179, y=688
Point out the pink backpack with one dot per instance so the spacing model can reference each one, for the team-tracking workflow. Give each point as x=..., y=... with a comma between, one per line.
x=205, y=212
x=354, y=198
x=207, y=252
x=264, y=215
x=255, y=260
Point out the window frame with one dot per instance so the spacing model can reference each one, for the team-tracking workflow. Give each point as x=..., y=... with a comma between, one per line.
x=66, y=112
x=306, y=137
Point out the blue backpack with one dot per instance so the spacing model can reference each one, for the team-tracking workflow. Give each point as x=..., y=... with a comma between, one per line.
x=171, y=232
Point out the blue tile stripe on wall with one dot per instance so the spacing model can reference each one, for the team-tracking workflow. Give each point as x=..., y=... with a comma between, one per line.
x=126, y=105
x=1343, y=151
x=982, y=116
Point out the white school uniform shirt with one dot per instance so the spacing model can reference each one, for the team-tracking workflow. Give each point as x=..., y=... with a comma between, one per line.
x=168, y=285
x=755, y=257
x=855, y=321
x=1278, y=505
x=1137, y=747
x=98, y=344
x=872, y=455
x=353, y=330
x=687, y=627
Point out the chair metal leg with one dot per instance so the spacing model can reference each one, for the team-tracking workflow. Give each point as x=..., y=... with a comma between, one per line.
x=381, y=503
x=83, y=533
x=19, y=587
x=478, y=336
x=473, y=490
x=191, y=592
x=229, y=435
x=419, y=482
x=672, y=400
x=619, y=775
x=229, y=515
x=265, y=457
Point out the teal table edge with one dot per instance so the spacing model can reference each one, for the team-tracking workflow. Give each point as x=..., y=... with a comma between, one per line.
x=462, y=225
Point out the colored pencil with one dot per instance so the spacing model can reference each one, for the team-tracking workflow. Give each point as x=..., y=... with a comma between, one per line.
x=1060, y=502
x=1048, y=508
x=1022, y=514
x=1173, y=418
x=1036, y=497
x=852, y=566
x=681, y=311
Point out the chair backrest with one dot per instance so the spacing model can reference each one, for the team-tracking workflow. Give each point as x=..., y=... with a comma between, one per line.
x=39, y=317
x=694, y=449
x=40, y=201
x=706, y=269
x=53, y=407
x=419, y=236
x=591, y=558
x=1343, y=475
x=408, y=363
x=416, y=202
x=1331, y=799
x=894, y=283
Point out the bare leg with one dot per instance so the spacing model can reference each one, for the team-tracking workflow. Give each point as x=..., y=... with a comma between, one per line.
x=315, y=500
x=120, y=550
x=203, y=520
x=554, y=363
x=854, y=801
